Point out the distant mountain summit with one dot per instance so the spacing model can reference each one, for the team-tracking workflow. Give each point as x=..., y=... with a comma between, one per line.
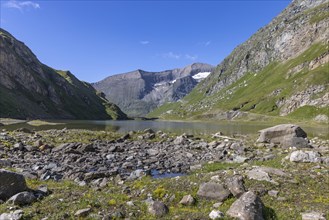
x=30, y=89
x=139, y=92
x=281, y=70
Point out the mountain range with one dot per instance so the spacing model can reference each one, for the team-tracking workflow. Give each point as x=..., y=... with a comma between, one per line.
x=281, y=70
x=139, y=92
x=30, y=89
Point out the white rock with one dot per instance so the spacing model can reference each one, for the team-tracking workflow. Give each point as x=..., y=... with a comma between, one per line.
x=305, y=156
x=214, y=214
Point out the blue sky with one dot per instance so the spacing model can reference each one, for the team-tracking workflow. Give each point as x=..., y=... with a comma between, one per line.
x=95, y=39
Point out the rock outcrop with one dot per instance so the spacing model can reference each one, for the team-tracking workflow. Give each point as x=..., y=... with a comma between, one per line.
x=30, y=89
x=139, y=92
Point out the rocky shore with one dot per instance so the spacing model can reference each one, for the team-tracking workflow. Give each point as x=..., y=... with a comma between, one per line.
x=217, y=176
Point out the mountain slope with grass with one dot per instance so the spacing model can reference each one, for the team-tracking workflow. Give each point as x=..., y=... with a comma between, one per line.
x=139, y=92
x=30, y=89
x=282, y=70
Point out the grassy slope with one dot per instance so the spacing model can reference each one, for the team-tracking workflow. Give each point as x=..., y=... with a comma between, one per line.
x=253, y=92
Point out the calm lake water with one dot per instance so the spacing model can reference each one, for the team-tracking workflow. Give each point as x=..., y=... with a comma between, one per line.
x=228, y=128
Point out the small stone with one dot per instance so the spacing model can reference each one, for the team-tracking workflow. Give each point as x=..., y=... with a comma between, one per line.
x=214, y=214
x=130, y=203
x=195, y=167
x=217, y=205
x=118, y=215
x=158, y=208
x=273, y=193
x=38, y=143
x=187, y=200
x=83, y=212
x=136, y=174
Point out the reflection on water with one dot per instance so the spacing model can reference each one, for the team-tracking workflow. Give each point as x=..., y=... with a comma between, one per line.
x=228, y=128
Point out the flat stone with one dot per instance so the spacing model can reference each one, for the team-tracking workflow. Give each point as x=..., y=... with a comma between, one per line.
x=259, y=175
x=83, y=212
x=305, y=157
x=213, y=191
x=273, y=193
x=313, y=216
x=217, y=205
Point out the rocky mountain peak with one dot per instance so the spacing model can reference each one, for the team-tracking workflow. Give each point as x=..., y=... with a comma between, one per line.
x=138, y=92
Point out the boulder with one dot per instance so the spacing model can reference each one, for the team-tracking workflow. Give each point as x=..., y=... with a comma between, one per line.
x=247, y=207
x=22, y=198
x=305, y=156
x=11, y=184
x=213, y=191
x=235, y=185
x=287, y=135
x=158, y=208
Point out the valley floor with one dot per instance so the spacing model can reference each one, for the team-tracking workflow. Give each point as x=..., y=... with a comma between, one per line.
x=103, y=174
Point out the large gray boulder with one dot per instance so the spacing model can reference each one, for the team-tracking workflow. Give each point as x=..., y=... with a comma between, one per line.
x=287, y=135
x=10, y=184
x=247, y=207
x=213, y=191
x=22, y=198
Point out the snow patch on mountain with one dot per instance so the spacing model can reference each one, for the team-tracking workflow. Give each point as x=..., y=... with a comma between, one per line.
x=200, y=76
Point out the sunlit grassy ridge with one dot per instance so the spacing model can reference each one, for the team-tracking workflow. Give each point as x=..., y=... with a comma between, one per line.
x=256, y=92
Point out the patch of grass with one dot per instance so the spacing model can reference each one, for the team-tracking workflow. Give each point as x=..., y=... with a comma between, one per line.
x=309, y=112
x=211, y=167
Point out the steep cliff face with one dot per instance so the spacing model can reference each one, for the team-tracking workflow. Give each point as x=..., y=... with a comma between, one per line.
x=139, y=92
x=30, y=89
x=282, y=70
